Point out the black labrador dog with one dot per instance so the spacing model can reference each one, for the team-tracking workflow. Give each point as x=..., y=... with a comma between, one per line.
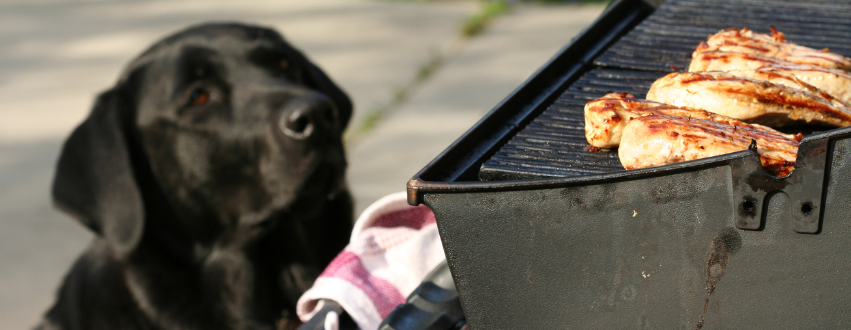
x=213, y=176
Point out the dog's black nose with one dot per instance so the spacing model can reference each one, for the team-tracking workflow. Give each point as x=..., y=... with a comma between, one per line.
x=308, y=116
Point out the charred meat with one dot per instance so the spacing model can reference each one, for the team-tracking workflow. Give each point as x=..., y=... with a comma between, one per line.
x=658, y=139
x=606, y=117
x=835, y=83
x=774, y=45
x=755, y=101
x=651, y=134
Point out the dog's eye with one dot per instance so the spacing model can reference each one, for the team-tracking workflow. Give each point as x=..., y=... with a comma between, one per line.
x=282, y=65
x=199, y=97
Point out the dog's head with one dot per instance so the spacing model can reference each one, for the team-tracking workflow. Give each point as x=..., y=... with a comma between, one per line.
x=223, y=127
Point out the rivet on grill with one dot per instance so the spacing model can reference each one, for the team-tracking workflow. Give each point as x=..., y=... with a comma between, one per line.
x=807, y=208
x=748, y=206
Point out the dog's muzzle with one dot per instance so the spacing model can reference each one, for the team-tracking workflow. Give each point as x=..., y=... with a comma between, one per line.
x=308, y=116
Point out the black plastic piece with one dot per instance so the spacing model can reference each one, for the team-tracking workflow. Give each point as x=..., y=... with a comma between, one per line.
x=434, y=305
x=317, y=322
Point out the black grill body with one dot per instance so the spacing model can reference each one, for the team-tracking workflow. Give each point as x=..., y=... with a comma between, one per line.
x=540, y=233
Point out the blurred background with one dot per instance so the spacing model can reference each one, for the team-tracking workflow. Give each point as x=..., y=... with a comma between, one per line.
x=420, y=74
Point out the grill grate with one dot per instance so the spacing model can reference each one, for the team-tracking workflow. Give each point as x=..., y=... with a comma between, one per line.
x=667, y=38
x=554, y=145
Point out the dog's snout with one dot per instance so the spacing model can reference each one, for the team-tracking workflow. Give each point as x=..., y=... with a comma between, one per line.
x=308, y=116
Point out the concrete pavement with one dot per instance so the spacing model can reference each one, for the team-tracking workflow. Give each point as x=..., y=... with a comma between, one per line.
x=469, y=85
x=55, y=56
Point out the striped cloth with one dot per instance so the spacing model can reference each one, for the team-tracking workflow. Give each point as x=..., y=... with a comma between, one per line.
x=393, y=247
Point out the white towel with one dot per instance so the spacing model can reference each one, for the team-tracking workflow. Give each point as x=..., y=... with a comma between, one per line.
x=393, y=247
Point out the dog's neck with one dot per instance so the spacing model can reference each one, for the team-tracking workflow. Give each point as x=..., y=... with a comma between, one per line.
x=241, y=282
x=205, y=287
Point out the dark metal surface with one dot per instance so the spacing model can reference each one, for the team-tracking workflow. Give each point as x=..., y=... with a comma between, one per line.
x=657, y=253
x=751, y=186
x=712, y=243
x=554, y=145
x=667, y=38
x=660, y=249
x=662, y=43
x=434, y=305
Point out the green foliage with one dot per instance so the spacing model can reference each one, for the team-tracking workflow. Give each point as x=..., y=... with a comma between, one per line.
x=399, y=96
x=370, y=120
x=477, y=22
x=428, y=68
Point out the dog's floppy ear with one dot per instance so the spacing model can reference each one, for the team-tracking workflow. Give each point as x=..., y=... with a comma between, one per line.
x=316, y=78
x=94, y=179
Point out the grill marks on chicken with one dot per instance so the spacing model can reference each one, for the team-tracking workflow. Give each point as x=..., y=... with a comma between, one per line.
x=739, y=79
x=827, y=83
x=775, y=45
x=657, y=139
x=718, y=60
x=652, y=134
x=606, y=117
x=755, y=101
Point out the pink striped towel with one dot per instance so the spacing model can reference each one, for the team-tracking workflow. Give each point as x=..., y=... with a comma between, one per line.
x=393, y=247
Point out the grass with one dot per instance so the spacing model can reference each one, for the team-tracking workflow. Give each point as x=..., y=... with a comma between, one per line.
x=471, y=27
x=429, y=67
x=370, y=120
x=399, y=96
x=477, y=22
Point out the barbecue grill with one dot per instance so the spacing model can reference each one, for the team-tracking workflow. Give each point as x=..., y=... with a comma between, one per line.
x=540, y=232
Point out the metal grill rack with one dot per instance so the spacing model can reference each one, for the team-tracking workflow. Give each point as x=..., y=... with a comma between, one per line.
x=553, y=144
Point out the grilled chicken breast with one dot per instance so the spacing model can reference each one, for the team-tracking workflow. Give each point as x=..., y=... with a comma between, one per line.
x=836, y=83
x=665, y=139
x=775, y=45
x=606, y=117
x=748, y=100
